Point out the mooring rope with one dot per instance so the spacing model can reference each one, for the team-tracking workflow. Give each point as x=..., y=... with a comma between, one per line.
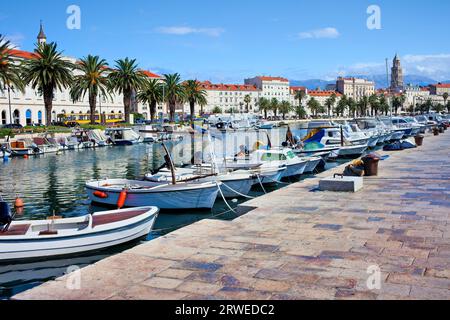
x=237, y=192
x=261, y=184
x=223, y=197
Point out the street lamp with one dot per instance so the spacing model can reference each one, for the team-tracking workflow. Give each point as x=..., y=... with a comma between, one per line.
x=9, y=88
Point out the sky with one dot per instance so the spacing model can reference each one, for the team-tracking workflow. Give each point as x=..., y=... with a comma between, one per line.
x=229, y=40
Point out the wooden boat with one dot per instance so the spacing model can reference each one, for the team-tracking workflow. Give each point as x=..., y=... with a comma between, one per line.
x=58, y=237
x=164, y=195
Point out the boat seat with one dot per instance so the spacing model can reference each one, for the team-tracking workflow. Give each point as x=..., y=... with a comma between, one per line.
x=116, y=217
x=16, y=230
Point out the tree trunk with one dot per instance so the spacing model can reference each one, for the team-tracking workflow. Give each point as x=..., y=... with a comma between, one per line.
x=127, y=105
x=48, y=102
x=92, y=106
x=265, y=114
x=172, y=111
x=152, y=110
x=192, y=107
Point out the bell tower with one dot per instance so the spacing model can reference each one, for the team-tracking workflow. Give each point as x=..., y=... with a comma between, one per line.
x=397, y=82
x=42, y=38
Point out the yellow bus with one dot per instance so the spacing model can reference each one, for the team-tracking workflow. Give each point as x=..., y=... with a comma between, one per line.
x=85, y=118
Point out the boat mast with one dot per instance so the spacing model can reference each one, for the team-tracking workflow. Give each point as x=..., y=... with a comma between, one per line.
x=170, y=164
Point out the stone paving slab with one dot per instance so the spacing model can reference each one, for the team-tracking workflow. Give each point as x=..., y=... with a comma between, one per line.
x=299, y=243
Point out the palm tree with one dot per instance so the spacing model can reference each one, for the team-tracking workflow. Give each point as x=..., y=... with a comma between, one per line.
x=383, y=104
x=92, y=79
x=315, y=106
x=194, y=94
x=174, y=92
x=341, y=106
x=216, y=110
x=264, y=106
x=300, y=95
x=274, y=104
x=9, y=70
x=329, y=103
x=445, y=96
x=373, y=102
x=352, y=106
x=285, y=107
x=152, y=94
x=300, y=112
x=127, y=79
x=48, y=72
x=247, y=100
x=363, y=106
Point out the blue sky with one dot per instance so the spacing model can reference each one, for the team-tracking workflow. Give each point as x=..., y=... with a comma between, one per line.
x=226, y=41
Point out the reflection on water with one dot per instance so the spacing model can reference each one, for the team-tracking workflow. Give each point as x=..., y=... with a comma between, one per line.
x=55, y=183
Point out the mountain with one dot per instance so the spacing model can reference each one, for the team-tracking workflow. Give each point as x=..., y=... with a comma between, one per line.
x=312, y=84
x=380, y=81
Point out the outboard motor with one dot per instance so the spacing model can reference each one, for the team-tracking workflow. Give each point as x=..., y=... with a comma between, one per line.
x=5, y=214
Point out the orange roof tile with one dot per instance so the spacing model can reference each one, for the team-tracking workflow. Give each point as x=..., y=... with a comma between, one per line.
x=264, y=78
x=150, y=74
x=316, y=93
x=442, y=85
x=22, y=54
x=207, y=85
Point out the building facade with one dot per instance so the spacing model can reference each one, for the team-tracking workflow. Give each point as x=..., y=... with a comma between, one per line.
x=355, y=88
x=440, y=88
x=271, y=87
x=27, y=108
x=397, y=82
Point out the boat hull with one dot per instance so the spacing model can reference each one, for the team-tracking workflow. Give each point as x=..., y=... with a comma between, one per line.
x=350, y=151
x=293, y=170
x=200, y=198
x=42, y=248
x=242, y=186
x=312, y=165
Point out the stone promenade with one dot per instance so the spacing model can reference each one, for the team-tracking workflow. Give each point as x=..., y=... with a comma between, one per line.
x=299, y=243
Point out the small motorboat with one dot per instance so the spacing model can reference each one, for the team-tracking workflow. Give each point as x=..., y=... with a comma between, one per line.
x=123, y=136
x=234, y=184
x=54, y=237
x=164, y=195
x=313, y=163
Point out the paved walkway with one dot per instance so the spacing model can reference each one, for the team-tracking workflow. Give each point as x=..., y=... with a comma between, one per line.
x=300, y=244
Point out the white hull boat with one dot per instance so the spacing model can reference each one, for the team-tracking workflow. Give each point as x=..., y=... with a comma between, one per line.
x=51, y=238
x=163, y=195
x=234, y=184
x=313, y=162
x=350, y=151
x=269, y=176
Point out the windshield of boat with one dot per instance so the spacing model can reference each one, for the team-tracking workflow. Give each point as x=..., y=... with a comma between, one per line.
x=273, y=157
x=367, y=124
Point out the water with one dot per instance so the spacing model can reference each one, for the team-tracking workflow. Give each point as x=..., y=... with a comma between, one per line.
x=55, y=184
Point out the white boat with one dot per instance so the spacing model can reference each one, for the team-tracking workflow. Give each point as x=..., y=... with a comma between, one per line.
x=45, y=146
x=349, y=151
x=163, y=195
x=123, y=136
x=274, y=158
x=98, y=138
x=234, y=184
x=58, y=237
x=313, y=162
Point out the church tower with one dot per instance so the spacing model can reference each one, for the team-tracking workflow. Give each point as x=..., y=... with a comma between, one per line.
x=397, y=83
x=42, y=38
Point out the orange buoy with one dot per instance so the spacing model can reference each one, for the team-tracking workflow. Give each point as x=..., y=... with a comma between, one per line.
x=25, y=156
x=101, y=195
x=122, y=198
x=18, y=203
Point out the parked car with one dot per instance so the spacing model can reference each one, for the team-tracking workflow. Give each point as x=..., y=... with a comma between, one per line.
x=12, y=126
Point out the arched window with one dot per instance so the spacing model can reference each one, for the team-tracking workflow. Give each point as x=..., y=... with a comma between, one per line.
x=28, y=116
x=16, y=117
x=3, y=117
x=40, y=117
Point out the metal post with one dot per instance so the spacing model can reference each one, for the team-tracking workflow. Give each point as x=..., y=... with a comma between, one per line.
x=9, y=99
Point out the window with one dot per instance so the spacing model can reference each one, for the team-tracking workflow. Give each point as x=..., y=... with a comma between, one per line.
x=40, y=117
x=3, y=117
x=29, y=119
x=16, y=117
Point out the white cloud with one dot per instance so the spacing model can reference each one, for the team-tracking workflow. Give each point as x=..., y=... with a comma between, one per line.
x=182, y=31
x=329, y=33
x=15, y=39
